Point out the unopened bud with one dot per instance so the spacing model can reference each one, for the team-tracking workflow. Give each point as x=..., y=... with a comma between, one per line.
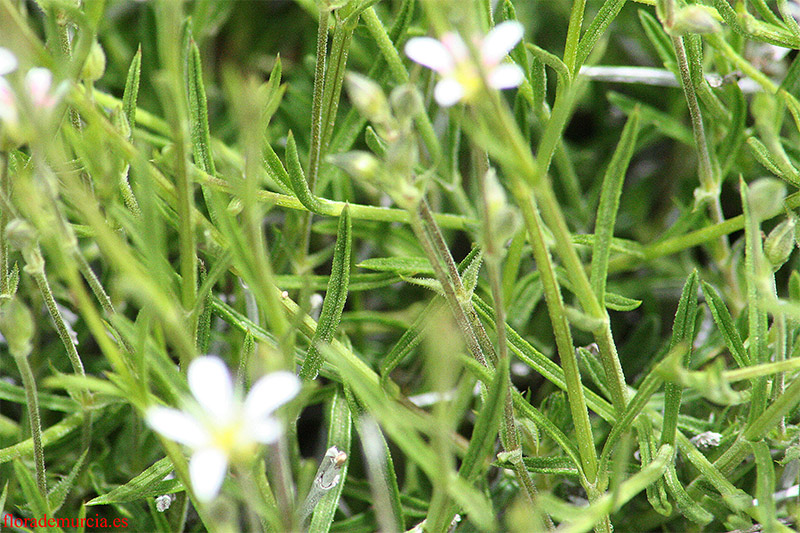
x=766, y=197
x=358, y=164
x=406, y=101
x=16, y=325
x=368, y=98
x=95, y=65
x=779, y=243
x=21, y=235
x=695, y=19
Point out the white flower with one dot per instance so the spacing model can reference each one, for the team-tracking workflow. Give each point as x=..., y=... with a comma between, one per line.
x=460, y=77
x=221, y=427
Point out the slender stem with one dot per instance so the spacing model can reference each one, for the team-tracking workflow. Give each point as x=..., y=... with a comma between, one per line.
x=32, y=401
x=708, y=181
x=317, y=125
x=61, y=326
x=4, y=183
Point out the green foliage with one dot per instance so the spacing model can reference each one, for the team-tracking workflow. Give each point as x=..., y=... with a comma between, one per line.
x=503, y=333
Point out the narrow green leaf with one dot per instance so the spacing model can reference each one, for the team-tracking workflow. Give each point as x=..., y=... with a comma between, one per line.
x=765, y=485
x=148, y=484
x=663, y=122
x=203, y=336
x=682, y=332
x=685, y=504
x=722, y=317
x=49, y=436
x=131, y=92
x=339, y=435
x=755, y=271
x=335, y=297
x=658, y=37
x=198, y=110
x=605, y=16
x=59, y=493
x=617, y=302
x=409, y=340
x=609, y=204
x=484, y=434
x=297, y=178
x=3, y=499
x=409, y=266
x=35, y=499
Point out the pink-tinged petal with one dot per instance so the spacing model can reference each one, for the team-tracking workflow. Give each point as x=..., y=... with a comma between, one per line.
x=430, y=53
x=207, y=469
x=178, y=426
x=500, y=41
x=265, y=431
x=448, y=92
x=456, y=46
x=38, y=81
x=8, y=103
x=211, y=384
x=269, y=393
x=8, y=61
x=506, y=76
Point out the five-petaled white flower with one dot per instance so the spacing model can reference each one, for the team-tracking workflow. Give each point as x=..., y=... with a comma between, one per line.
x=221, y=427
x=460, y=77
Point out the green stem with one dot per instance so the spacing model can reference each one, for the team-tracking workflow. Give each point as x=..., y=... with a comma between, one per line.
x=61, y=326
x=32, y=401
x=317, y=126
x=4, y=284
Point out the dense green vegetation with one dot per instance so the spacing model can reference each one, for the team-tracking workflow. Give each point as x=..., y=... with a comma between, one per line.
x=516, y=265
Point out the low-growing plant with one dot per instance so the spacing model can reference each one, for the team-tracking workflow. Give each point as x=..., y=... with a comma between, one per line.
x=399, y=265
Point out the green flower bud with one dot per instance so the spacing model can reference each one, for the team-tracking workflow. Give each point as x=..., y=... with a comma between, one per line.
x=779, y=243
x=766, y=197
x=21, y=235
x=16, y=325
x=695, y=19
x=368, y=98
x=358, y=164
x=95, y=65
x=406, y=101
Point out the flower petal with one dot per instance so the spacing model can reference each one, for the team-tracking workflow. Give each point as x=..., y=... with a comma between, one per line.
x=207, y=469
x=266, y=430
x=430, y=53
x=8, y=102
x=500, y=41
x=211, y=384
x=269, y=393
x=38, y=82
x=8, y=61
x=506, y=76
x=178, y=426
x=448, y=92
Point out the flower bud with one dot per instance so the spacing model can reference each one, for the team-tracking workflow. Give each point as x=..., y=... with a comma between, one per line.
x=21, y=235
x=779, y=243
x=16, y=325
x=766, y=197
x=358, y=164
x=694, y=19
x=95, y=65
x=406, y=101
x=368, y=98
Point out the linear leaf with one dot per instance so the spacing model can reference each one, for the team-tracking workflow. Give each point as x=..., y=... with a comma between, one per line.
x=335, y=297
x=609, y=204
x=131, y=92
x=148, y=484
x=722, y=317
x=297, y=178
x=339, y=435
